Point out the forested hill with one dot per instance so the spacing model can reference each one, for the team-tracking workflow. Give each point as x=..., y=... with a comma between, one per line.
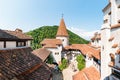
x=50, y=32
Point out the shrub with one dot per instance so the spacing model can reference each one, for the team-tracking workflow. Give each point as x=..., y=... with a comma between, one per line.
x=81, y=62
x=64, y=64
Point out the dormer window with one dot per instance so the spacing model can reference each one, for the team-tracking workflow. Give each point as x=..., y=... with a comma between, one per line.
x=20, y=44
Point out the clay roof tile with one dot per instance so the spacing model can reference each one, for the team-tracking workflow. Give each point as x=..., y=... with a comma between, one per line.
x=51, y=43
x=114, y=45
x=13, y=35
x=20, y=62
x=62, y=31
x=42, y=53
x=111, y=38
x=115, y=26
x=85, y=49
x=90, y=73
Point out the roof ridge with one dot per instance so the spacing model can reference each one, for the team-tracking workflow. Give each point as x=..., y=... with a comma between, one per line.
x=84, y=74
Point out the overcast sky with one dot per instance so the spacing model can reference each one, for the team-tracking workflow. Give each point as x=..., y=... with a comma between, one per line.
x=83, y=17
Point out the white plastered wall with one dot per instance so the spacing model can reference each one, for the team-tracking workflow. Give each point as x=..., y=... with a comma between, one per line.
x=105, y=52
x=1, y=44
x=116, y=33
x=65, y=40
x=28, y=43
x=10, y=44
x=57, y=58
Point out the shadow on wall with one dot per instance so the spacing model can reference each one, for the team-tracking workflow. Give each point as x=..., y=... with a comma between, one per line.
x=115, y=69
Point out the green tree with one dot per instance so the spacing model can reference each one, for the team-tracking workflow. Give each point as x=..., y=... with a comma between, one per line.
x=64, y=64
x=50, y=32
x=81, y=62
x=50, y=59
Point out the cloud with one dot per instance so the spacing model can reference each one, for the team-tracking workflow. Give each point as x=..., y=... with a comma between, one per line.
x=83, y=33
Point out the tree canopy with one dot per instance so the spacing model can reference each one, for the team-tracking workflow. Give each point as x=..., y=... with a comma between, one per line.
x=50, y=32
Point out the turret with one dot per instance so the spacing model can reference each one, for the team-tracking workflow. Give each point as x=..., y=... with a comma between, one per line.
x=105, y=52
x=62, y=33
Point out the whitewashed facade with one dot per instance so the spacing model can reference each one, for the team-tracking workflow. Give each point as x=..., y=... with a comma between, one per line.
x=110, y=28
x=65, y=40
x=56, y=45
x=56, y=53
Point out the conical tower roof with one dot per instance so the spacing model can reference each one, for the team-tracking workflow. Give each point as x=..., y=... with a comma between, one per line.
x=62, y=31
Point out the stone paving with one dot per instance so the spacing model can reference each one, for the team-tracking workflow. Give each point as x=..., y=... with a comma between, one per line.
x=69, y=72
x=57, y=75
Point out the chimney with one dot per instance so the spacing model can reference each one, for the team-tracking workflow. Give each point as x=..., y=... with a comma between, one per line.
x=18, y=30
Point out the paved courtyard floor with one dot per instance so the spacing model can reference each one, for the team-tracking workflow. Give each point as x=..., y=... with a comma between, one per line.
x=69, y=72
x=57, y=75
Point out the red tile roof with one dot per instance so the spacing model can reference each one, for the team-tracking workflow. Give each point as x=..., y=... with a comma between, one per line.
x=111, y=64
x=62, y=31
x=50, y=46
x=114, y=45
x=22, y=64
x=13, y=35
x=111, y=38
x=80, y=76
x=115, y=26
x=51, y=43
x=42, y=53
x=118, y=51
x=90, y=73
x=108, y=6
x=85, y=49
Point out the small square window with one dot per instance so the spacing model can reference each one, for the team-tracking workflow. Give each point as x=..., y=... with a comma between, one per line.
x=57, y=53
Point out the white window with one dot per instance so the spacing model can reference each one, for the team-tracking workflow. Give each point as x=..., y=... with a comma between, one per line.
x=19, y=44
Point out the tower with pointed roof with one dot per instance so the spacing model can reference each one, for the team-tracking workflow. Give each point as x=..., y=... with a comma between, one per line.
x=62, y=33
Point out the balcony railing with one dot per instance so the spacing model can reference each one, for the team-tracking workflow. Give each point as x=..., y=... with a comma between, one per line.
x=116, y=72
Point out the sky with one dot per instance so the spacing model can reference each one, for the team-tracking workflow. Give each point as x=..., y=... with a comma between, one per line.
x=84, y=17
